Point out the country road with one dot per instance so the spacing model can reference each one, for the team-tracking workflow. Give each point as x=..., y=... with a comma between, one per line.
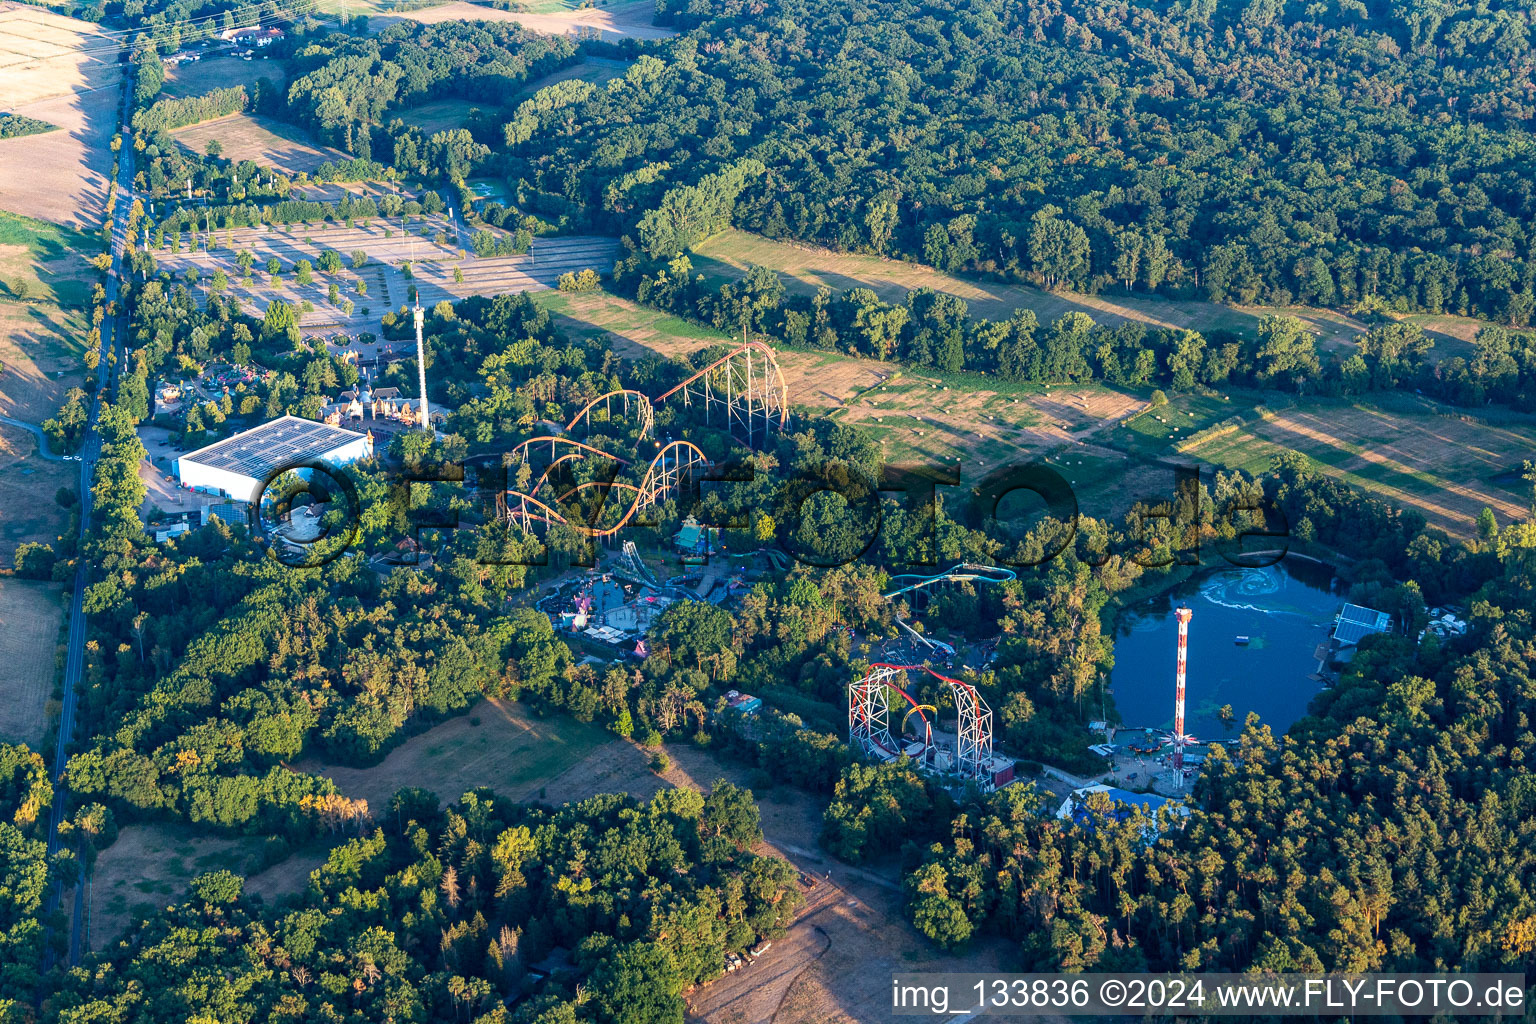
x=37, y=432
x=74, y=661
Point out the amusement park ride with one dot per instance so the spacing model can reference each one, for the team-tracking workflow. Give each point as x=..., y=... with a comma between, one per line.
x=962, y=573
x=870, y=698
x=869, y=724
x=744, y=388
x=746, y=391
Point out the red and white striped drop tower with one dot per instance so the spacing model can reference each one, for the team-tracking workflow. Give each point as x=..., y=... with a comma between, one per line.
x=1183, y=615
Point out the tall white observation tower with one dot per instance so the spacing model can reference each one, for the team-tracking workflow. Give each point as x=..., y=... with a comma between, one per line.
x=421, y=368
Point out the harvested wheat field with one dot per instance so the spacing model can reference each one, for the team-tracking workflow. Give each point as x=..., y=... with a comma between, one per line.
x=630, y=20
x=43, y=55
x=64, y=72
x=30, y=614
x=283, y=147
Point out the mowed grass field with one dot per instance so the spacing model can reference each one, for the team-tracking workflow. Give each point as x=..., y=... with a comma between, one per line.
x=30, y=614
x=497, y=744
x=284, y=147
x=45, y=285
x=440, y=115
x=1412, y=452
x=46, y=262
x=728, y=255
x=148, y=868
x=193, y=78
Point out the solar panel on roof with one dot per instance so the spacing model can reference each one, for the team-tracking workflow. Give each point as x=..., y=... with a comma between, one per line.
x=1356, y=623
x=283, y=442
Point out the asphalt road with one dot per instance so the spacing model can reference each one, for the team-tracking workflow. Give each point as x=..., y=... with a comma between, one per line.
x=74, y=661
x=37, y=432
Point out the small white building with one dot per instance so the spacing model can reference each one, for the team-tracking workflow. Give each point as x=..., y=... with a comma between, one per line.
x=254, y=35
x=237, y=467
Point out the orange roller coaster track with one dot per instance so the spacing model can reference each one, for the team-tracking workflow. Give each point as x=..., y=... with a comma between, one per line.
x=745, y=385
x=523, y=451
x=750, y=392
x=628, y=399
x=664, y=477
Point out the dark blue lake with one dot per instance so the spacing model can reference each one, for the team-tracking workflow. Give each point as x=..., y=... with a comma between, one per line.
x=1285, y=611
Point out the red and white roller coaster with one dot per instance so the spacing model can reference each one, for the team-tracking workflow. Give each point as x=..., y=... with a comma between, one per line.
x=869, y=719
x=745, y=386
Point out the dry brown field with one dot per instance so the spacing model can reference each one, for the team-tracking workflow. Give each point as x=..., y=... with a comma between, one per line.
x=28, y=512
x=283, y=147
x=148, y=867
x=630, y=20
x=64, y=72
x=40, y=348
x=30, y=614
x=193, y=78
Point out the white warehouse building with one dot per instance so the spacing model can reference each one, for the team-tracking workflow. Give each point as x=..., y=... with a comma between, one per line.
x=238, y=466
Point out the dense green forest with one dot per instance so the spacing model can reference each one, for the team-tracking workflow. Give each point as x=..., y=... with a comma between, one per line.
x=440, y=914
x=1331, y=153
x=25, y=873
x=1369, y=156
x=346, y=87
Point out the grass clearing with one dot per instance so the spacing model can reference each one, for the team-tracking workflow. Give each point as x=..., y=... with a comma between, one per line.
x=1410, y=451
x=30, y=615
x=496, y=743
x=441, y=115
x=728, y=255
x=194, y=78
x=284, y=147
x=597, y=71
x=148, y=867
